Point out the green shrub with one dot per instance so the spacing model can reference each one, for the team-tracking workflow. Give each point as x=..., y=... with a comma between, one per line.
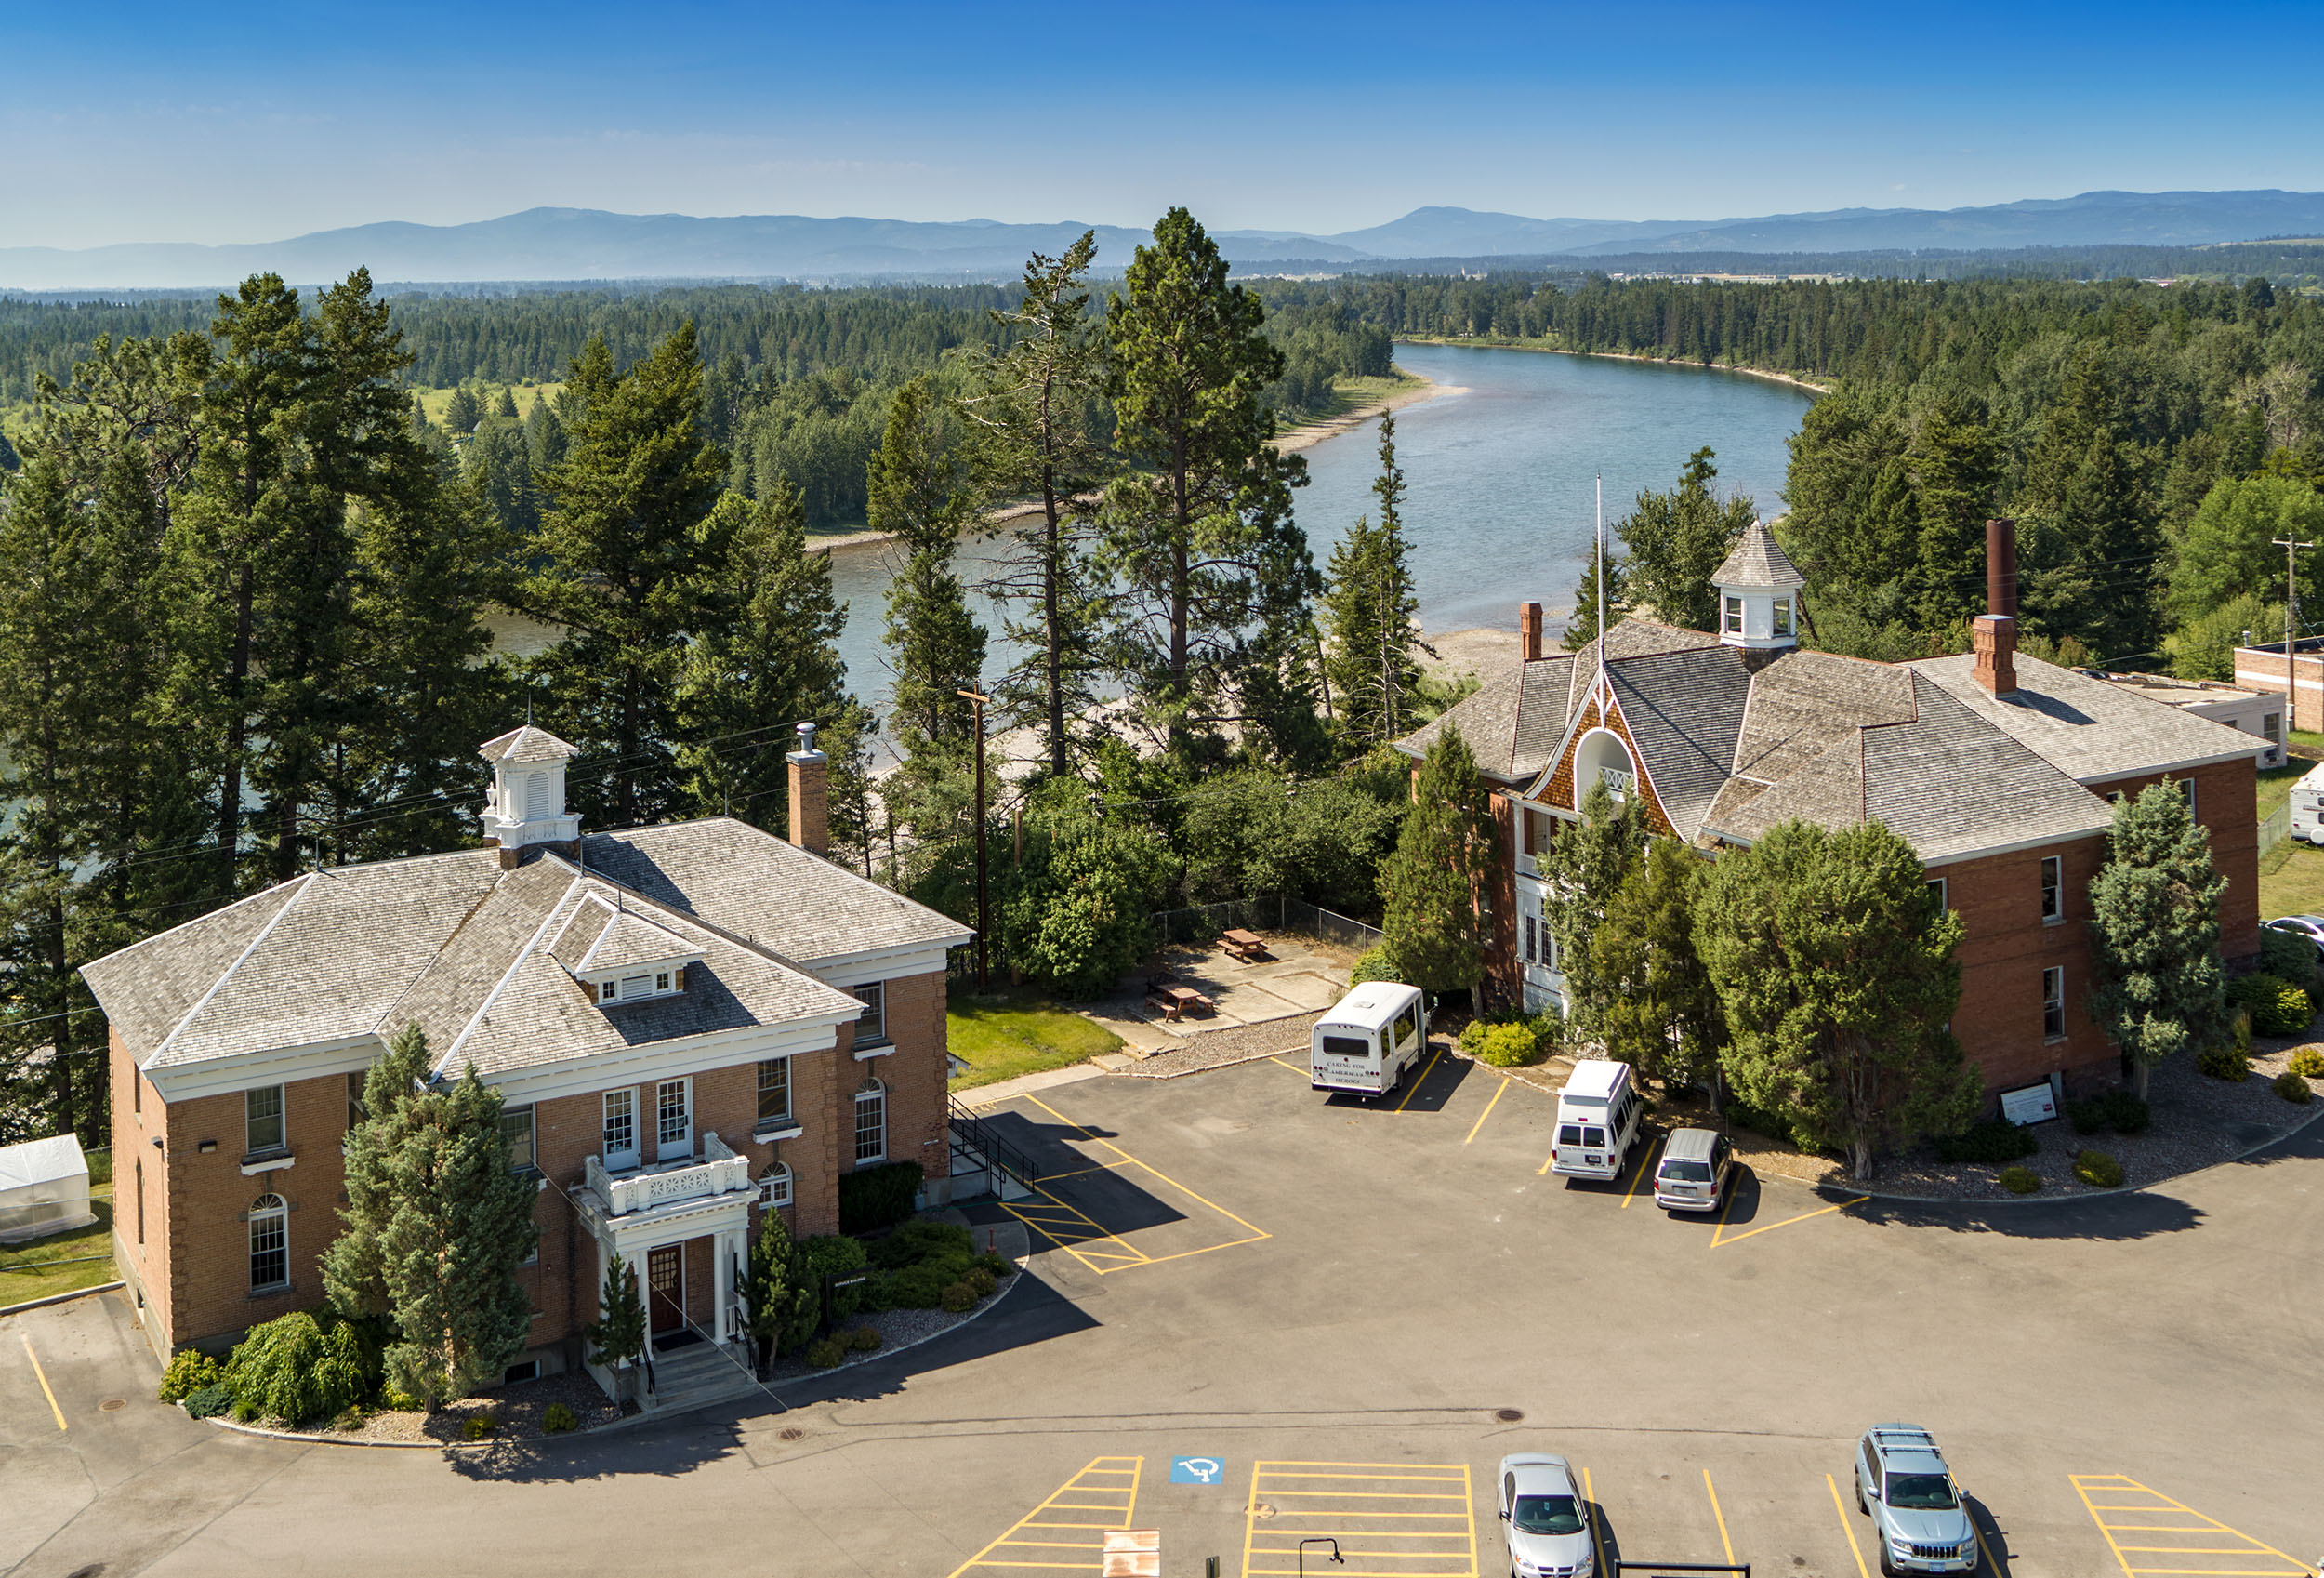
x=2020, y=1180
x=399, y=1402
x=2294, y=1087
x=920, y=1287
x=825, y=1354
x=999, y=1265
x=2308, y=1062
x=558, y=1418
x=246, y=1412
x=2289, y=956
x=209, y=1403
x=1760, y=1120
x=188, y=1373
x=2088, y=1116
x=864, y=1339
x=958, y=1298
x=2278, y=1007
x=2125, y=1113
x=873, y=1198
x=478, y=1427
x=833, y=1255
x=2097, y=1169
x=920, y=1241
x=293, y=1369
x=1503, y=1046
x=1373, y=964
x=984, y=1281
x=1993, y=1141
x=2229, y=1062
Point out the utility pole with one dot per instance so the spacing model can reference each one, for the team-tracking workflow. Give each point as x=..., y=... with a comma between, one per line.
x=984, y=902
x=2292, y=627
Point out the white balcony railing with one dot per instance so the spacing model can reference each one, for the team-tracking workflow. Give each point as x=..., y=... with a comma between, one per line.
x=720, y=1171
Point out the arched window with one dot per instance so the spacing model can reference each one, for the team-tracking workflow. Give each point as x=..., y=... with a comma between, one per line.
x=775, y=1187
x=871, y=1122
x=1601, y=757
x=269, y=1243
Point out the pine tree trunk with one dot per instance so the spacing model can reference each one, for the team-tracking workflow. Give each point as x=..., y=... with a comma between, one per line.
x=237, y=729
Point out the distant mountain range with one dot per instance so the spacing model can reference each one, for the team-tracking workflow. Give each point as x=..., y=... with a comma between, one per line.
x=586, y=244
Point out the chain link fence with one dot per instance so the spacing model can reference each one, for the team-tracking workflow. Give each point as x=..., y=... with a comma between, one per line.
x=1278, y=913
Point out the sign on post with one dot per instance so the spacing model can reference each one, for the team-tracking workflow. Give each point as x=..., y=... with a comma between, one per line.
x=2032, y=1103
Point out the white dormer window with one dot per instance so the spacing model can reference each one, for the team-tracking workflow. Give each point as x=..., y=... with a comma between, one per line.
x=608, y=991
x=638, y=987
x=1783, y=615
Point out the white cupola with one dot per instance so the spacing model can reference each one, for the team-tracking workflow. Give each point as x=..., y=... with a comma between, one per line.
x=526, y=803
x=1759, y=594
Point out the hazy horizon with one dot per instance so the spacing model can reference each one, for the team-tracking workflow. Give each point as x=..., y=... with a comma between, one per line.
x=160, y=125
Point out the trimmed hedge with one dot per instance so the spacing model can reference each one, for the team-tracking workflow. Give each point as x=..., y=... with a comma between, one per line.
x=2278, y=1007
x=2308, y=1062
x=873, y=1198
x=2294, y=1087
x=2020, y=1180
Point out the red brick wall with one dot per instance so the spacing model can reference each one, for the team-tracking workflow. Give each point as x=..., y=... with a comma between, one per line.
x=2226, y=803
x=138, y=1118
x=2005, y=948
x=916, y=1075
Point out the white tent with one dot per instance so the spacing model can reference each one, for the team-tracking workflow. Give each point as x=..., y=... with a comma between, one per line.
x=43, y=1189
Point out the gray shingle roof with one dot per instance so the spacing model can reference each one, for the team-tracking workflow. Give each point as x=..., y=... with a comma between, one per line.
x=1758, y=559
x=526, y=743
x=1486, y=718
x=610, y=936
x=1683, y=709
x=2088, y=729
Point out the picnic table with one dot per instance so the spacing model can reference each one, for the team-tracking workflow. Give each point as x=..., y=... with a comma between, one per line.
x=1249, y=946
x=1172, y=1000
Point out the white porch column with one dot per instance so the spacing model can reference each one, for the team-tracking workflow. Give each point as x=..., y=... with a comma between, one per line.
x=729, y=1244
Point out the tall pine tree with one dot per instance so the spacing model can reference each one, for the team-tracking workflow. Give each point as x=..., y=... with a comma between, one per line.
x=1676, y=540
x=1370, y=609
x=1436, y=882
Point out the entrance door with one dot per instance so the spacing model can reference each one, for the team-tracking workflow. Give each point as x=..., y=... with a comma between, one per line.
x=665, y=1287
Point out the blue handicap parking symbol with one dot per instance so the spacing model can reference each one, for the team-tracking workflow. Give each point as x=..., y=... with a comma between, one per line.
x=1196, y=1471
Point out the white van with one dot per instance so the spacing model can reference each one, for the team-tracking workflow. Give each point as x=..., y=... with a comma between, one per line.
x=1598, y=1114
x=2307, y=806
x=1367, y=1041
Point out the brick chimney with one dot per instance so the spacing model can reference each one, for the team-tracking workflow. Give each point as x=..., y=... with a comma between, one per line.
x=811, y=806
x=1529, y=631
x=1993, y=636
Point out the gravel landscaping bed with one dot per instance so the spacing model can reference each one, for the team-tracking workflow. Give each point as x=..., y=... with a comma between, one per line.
x=1228, y=1044
x=519, y=1407
x=897, y=1328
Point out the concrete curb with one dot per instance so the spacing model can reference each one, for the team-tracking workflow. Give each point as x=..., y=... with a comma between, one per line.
x=60, y=1298
x=225, y=1424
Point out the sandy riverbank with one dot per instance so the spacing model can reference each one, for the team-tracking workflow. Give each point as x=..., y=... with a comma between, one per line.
x=1767, y=373
x=1304, y=437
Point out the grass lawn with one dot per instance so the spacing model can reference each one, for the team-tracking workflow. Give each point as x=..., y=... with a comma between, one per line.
x=30, y=1271
x=434, y=401
x=1009, y=1033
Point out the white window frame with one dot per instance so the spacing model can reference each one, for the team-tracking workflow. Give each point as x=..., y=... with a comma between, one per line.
x=2053, y=889
x=1731, y=622
x=269, y=1224
x=666, y=1147
x=619, y=1105
x=1783, y=616
x=2053, y=1002
x=1944, y=892
x=251, y=1120
x=509, y=1116
x=766, y=1118
x=872, y=1098
x=607, y=991
x=774, y=1189
x=661, y=983
x=871, y=1026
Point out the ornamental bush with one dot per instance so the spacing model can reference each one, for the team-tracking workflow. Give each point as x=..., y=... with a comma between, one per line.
x=832, y=1255
x=1001, y=1267
x=958, y=1299
x=825, y=1354
x=2020, y=1180
x=188, y=1373
x=873, y=1198
x=2288, y=955
x=864, y=1339
x=1511, y=1044
x=2294, y=1087
x=209, y=1403
x=2125, y=1113
x=292, y=1369
x=2308, y=1062
x=558, y=1418
x=478, y=1427
x=2097, y=1169
x=1373, y=964
x=2230, y=1063
x=1994, y=1140
x=2278, y=1007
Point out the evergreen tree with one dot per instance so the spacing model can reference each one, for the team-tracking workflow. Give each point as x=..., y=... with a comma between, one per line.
x=781, y=1295
x=1214, y=576
x=507, y=404
x=2088, y=528
x=2229, y=549
x=1676, y=540
x=1587, y=865
x=1837, y=977
x=2154, y=932
x=1661, y=1013
x=437, y=1225
x=617, y=1336
x=1581, y=628
x=1036, y=412
x=625, y=556
x=920, y=490
x=462, y=412
x=1435, y=884
x=1956, y=469
x=1370, y=608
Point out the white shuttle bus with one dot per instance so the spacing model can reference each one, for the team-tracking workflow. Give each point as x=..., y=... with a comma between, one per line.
x=1598, y=1115
x=1367, y=1041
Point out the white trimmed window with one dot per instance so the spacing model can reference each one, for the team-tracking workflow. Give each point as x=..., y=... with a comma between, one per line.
x=774, y=1090
x=621, y=1129
x=2054, y=1003
x=871, y=1122
x=262, y=1120
x=775, y=1187
x=1783, y=615
x=871, y=1026
x=516, y=1133
x=1734, y=616
x=269, y=1243
x=1940, y=894
x=2052, y=888
x=673, y=1119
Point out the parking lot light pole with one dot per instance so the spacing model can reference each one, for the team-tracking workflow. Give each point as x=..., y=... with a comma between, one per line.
x=1319, y=1540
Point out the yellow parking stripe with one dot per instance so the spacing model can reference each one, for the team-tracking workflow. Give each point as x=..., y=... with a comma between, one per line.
x=1488, y=1109
x=1597, y=1524
x=2091, y=1486
x=1711, y=1491
x=1088, y=1482
x=1414, y=1087
x=1400, y=1530
x=1648, y=1167
x=1719, y=1237
x=1847, y=1526
x=43, y=1377
x=1255, y=1233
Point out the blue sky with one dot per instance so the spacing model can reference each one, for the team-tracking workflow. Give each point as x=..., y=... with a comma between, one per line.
x=136, y=121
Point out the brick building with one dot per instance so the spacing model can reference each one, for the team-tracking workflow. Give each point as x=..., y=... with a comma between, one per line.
x=1998, y=769
x=689, y=1024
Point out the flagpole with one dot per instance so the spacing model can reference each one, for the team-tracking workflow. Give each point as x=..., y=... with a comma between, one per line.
x=1601, y=579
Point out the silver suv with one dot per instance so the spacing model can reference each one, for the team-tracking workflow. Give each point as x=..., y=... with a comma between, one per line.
x=1697, y=1165
x=1903, y=1483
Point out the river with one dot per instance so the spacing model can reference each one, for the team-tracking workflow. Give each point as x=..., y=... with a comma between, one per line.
x=1498, y=473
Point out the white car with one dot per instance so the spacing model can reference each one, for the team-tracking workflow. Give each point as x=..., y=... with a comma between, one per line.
x=1543, y=1517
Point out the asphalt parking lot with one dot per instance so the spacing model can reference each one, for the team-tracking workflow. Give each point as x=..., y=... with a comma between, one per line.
x=1332, y=1319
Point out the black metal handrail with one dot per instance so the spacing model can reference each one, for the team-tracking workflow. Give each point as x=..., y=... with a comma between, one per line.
x=977, y=1134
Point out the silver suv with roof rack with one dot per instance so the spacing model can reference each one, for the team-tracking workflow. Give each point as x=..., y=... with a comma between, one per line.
x=1902, y=1482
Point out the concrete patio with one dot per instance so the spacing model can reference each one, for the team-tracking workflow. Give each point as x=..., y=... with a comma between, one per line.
x=1300, y=975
